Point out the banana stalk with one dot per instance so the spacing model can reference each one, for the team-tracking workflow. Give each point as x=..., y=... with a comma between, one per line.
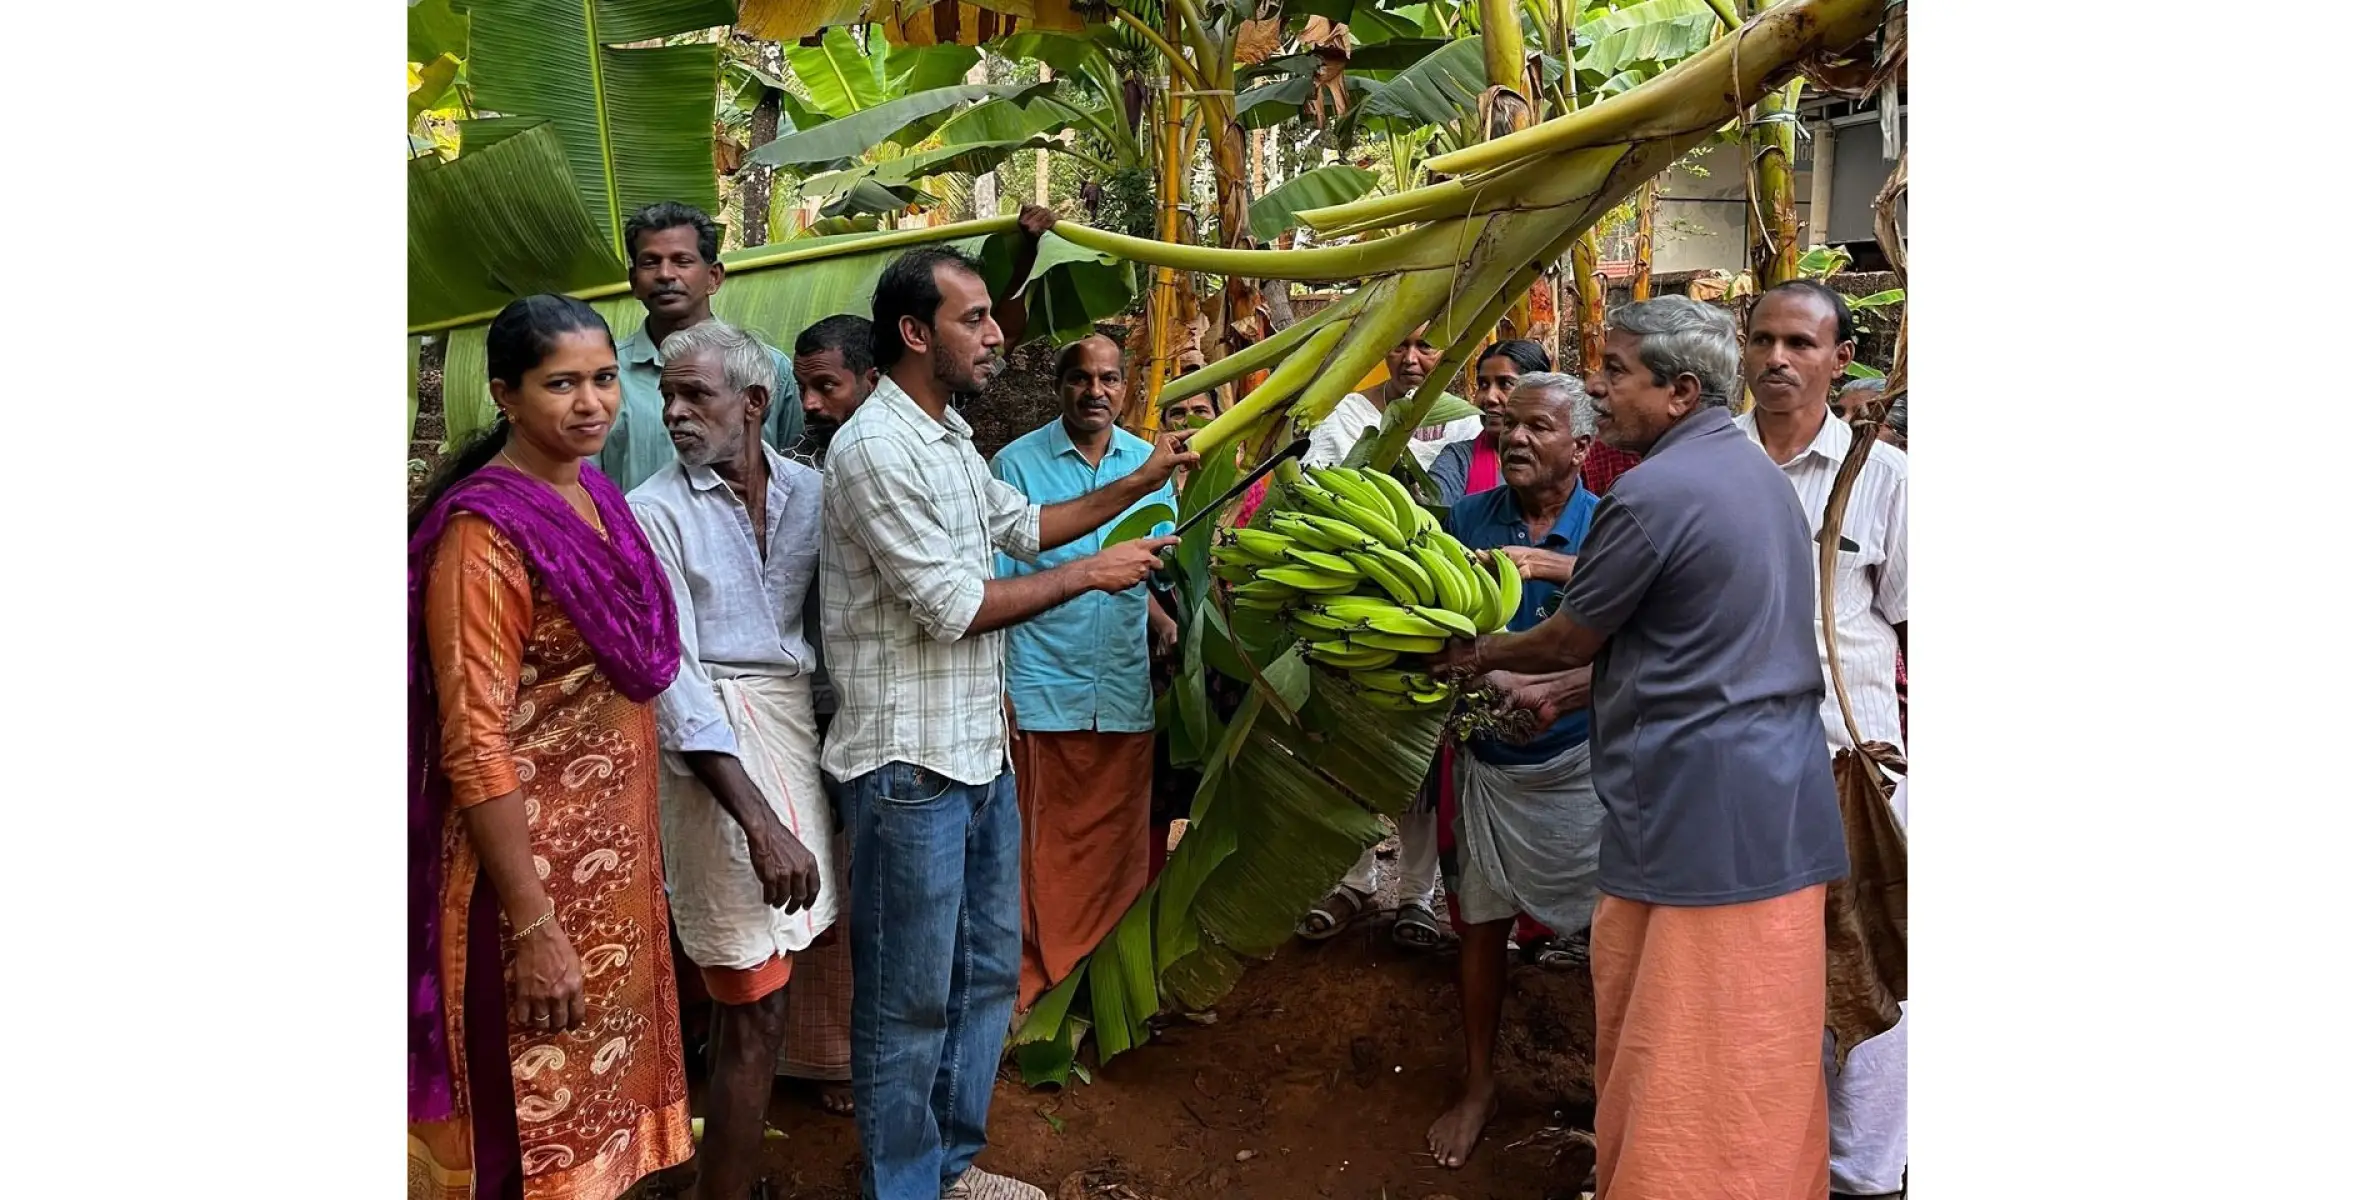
x=1264, y=354
x=1697, y=92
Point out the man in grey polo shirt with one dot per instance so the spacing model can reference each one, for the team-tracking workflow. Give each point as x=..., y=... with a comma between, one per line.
x=1692, y=599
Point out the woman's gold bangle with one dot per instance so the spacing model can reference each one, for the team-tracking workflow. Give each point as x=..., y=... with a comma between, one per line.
x=550, y=907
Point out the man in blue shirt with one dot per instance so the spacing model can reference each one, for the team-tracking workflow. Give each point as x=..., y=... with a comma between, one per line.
x=1077, y=676
x=1693, y=598
x=1525, y=820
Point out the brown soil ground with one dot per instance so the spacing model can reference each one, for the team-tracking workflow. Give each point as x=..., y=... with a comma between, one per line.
x=1319, y=1079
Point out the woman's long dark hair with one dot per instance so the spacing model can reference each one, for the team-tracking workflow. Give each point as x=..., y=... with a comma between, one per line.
x=1525, y=353
x=521, y=336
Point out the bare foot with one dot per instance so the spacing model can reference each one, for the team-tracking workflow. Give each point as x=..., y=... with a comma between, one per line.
x=837, y=1099
x=1454, y=1134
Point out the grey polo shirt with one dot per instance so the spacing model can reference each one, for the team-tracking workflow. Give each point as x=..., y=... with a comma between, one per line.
x=1707, y=736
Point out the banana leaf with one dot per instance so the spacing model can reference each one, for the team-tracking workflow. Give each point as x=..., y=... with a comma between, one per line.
x=1003, y=121
x=1392, y=55
x=840, y=75
x=635, y=124
x=1109, y=1005
x=1655, y=31
x=921, y=68
x=1050, y=1036
x=1199, y=979
x=1070, y=289
x=1274, y=213
x=1371, y=24
x=501, y=221
x=868, y=196
x=437, y=80
x=792, y=20
x=1275, y=102
x=848, y=138
x=484, y=133
x=1440, y=89
x=431, y=28
x=908, y=22
x=1191, y=733
x=1121, y=982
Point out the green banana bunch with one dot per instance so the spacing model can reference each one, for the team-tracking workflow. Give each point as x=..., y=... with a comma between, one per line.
x=1367, y=581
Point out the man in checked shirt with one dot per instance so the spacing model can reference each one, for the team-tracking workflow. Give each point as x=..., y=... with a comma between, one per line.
x=911, y=617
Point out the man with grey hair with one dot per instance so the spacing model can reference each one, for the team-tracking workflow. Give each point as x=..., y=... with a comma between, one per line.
x=1521, y=823
x=743, y=817
x=1693, y=603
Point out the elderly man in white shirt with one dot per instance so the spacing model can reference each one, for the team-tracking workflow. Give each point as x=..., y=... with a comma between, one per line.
x=912, y=614
x=1800, y=338
x=1406, y=365
x=742, y=810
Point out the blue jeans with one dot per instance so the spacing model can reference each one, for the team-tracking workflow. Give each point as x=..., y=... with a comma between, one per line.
x=936, y=940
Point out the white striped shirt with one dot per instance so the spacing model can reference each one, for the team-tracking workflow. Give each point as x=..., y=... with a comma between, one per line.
x=1333, y=437
x=911, y=515
x=1871, y=577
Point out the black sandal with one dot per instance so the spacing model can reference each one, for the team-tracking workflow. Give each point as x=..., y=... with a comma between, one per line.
x=1415, y=928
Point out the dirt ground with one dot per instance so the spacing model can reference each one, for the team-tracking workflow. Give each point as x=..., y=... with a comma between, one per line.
x=1319, y=1079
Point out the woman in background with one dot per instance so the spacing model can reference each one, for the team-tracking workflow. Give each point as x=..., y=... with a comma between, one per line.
x=540, y=628
x=1473, y=466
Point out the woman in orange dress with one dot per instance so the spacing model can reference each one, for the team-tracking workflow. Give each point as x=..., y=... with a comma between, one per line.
x=545, y=1058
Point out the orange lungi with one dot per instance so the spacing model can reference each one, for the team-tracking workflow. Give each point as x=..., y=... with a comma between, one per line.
x=1709, y=1060
x=1087, y=807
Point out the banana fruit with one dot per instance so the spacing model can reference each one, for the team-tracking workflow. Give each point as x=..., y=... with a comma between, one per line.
x=1367, y=582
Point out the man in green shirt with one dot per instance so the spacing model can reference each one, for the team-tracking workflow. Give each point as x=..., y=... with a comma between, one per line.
x=673, y=267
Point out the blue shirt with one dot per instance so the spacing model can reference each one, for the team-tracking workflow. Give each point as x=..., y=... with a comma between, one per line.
x=1707, y=743
x=1489, y=519
x=1082, y=664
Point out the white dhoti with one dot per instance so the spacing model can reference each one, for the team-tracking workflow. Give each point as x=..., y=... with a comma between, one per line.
x=721, y=913
x=1868, y=1139
x=1529, y=840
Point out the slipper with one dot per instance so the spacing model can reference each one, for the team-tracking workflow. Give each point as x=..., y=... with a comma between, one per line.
x=1333, y=915
x=1415, y=928
x=1563, y=958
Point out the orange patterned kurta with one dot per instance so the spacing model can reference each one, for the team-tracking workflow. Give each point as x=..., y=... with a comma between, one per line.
x=522, y=706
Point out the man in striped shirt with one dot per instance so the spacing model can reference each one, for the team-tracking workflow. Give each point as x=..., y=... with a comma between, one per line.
x=912, y=617
x=1800, y=339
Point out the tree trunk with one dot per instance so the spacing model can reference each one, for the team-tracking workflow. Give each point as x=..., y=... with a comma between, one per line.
x=1046, y=73
x=1163, y=314
x=985, y=185
x=758, y=183
x=1771, y=168
x=1508, y=105
x=1645, y=239
x=1591, y=304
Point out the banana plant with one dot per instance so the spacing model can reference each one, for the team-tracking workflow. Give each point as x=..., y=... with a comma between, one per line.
x=892, y=166
x=569, y=131
x=1295, y=783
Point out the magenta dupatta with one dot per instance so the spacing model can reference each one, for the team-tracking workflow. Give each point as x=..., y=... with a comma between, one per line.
x=613, y=591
